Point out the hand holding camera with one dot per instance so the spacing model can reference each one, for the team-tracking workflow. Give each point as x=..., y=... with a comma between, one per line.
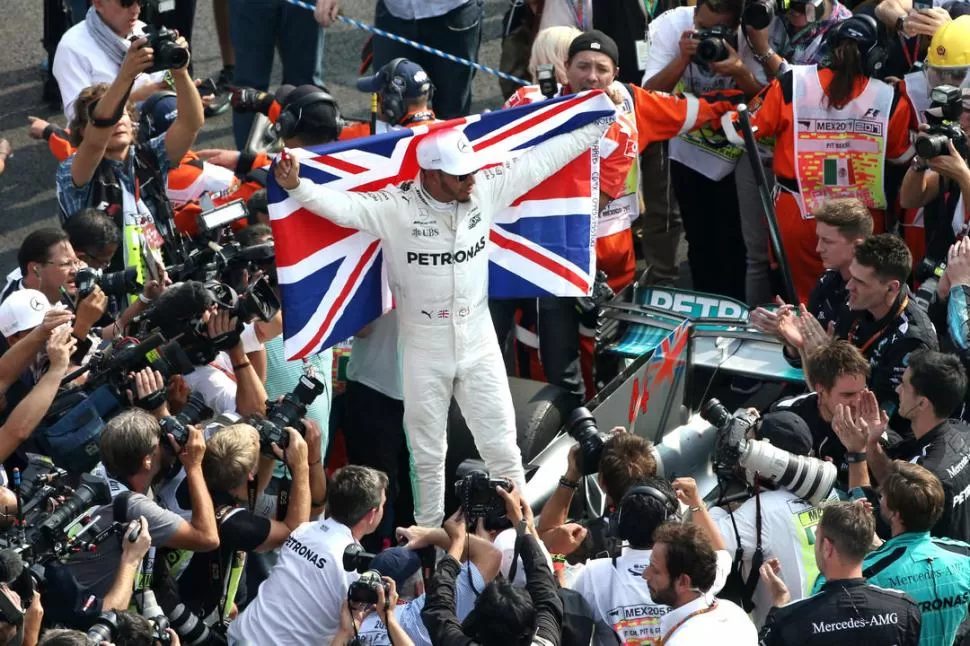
x=688, y=46
x=89, y=309
x=951, y=165
x=516, y=509
x=139, y=59
x=295, y=454
x=731, y=65
x=191, y=454
x=455, y=528
x=386, y=600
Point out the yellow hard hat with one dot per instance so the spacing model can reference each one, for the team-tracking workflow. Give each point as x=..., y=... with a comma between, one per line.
x=950, y=46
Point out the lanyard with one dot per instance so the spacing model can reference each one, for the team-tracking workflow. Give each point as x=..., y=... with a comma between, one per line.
x=579, y=10
x=878, y=333
x=911, y=58
x=666, y=638
x=650, y=8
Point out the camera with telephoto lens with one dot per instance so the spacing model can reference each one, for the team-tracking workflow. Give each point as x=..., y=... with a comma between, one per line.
x=151, y=611
x=256, y=301
x=92, y=492
x=582, y=428
x=546, y=78
x=364, y=589
x=946, y=100
x=928, y=272
x=113, y=283
x=167, y=54
x=476, y=494
x=808, y=478
x=191, y=414
x=104, y=629
x=356, y=559
x=713, y=45
x=192, y=630
x=287, y=412
x=757, y=14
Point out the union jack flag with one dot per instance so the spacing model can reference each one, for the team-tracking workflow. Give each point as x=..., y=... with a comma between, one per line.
x=333, y=280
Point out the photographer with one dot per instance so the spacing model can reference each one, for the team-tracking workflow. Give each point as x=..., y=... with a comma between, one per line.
x=300, y=601
x=933, y=386
x=131, y=178
x=93, y=51
x=846, y=607
x=935, y=572
x=773, y=523
x=939, y=185
x=131, y=453
x=703, y=162
x=503, y=614
x=626, y=458
x=622, y=607
x=385, y=611
x=229, y=466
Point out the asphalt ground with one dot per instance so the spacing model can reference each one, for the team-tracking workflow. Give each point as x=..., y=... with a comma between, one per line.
x=27, y=195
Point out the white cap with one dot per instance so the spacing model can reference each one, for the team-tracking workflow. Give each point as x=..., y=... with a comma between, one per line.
x=448, y=150
x=22, y=311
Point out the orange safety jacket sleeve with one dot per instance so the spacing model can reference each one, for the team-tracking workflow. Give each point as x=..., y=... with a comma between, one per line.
x=661, y=116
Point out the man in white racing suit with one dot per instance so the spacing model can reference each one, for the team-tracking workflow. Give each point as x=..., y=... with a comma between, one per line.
x=435, y=234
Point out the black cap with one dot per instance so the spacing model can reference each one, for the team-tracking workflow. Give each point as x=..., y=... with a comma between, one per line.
x=787, y=431
x=595, y=41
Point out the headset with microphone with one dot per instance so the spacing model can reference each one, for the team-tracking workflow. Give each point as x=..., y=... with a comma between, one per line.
x=865, y=32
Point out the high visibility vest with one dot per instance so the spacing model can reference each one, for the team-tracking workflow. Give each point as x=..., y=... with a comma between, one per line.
x=839, y=153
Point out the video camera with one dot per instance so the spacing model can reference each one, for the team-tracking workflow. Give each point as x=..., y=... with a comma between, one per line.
x=808, y=478
x=946, y=100
x=114, y=283
x=286, y=413
x=167, y=54
x=478, y=498
x=712, y=47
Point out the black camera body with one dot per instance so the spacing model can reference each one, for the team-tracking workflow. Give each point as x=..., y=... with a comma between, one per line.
x=712, y=47
x=114, y=283
x=356, y=559
x=364, y=590
x=166, y=52
x=287, y=412
x=582, y=428
x=731, y=437
x=194, y=412
x=948, y=101
x=478, y=498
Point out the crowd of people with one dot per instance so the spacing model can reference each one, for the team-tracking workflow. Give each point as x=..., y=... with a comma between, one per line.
x=169, y=476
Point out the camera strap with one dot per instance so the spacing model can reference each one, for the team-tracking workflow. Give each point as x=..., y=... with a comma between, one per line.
x=283, y=497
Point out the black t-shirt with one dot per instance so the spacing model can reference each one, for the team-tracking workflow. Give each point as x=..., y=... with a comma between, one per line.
x=946, y=452
x=825, y=442
x=239, y=531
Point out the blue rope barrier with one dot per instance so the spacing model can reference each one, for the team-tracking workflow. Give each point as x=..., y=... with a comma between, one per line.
x=416, y=45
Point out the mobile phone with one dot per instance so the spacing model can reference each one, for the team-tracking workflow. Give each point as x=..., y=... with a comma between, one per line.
x=922, y=5
x=207, y=87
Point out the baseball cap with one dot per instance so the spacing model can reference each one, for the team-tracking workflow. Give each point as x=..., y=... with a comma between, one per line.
x=156, y=114
x=408, y=76
x=595, y=41
x=448, y=150
x=399, y=563
x=787, y=431
x=22, y=311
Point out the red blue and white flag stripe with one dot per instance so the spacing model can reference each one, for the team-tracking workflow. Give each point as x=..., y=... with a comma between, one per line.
x=333, y=280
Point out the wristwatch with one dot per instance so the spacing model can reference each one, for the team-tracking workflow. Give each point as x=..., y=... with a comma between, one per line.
x=919, y=165
x=900, y=23
x=764, y=58
x=853, y=458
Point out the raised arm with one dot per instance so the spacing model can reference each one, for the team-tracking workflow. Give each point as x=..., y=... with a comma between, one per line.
x=368, y=212
x=503, y=184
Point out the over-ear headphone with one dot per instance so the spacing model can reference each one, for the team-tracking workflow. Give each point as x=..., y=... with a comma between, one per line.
x=668, y=501
x=146, y=115
x=291, y=114
x=392, y=93
x=865, y=32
